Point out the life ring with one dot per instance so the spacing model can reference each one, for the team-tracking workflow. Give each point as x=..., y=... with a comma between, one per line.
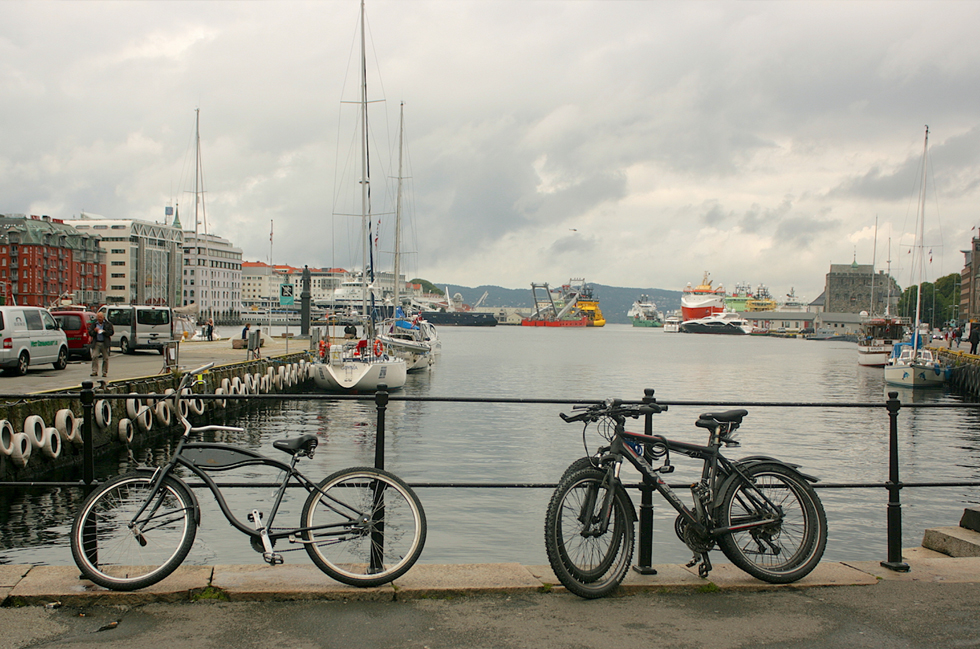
x=324, y=348
x=52, y=443
x=379, y=348
x=21, y=452
x=162, y=412
x=64, y=421
x=6, y=437
x=133, y=405
x=125, y=431
x=103, y=413
x=34, y=429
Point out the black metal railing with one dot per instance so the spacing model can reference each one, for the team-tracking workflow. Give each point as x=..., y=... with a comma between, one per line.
x=382, y=398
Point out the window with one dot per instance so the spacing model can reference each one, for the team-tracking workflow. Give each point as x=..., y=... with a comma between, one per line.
x=118, y=251
x=153, y=316
x=118, y=263
x=33, y=319
x=119, y=275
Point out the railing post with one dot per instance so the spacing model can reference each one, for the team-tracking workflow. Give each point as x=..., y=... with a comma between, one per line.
x=894, y=490
x=645, y=559
x=378, y=529
x=88, y=432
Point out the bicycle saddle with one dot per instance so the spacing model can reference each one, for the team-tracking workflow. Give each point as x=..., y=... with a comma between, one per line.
x=302, y=444
x=708, y=419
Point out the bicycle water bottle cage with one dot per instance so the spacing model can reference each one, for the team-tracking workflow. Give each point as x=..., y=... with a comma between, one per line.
x=302, y=445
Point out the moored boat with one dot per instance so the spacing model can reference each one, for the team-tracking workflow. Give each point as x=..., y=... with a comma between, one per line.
x=644, y=313
x=877, y=339
x=718, y=323
x=702, y=300
x=672, y=324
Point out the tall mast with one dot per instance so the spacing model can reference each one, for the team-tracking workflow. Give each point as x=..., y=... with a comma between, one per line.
x=920, y=235
x=398, y=204
x=365, y=171
x=874, y=255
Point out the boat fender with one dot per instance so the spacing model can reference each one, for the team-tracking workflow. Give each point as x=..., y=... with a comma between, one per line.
x=219, y=403
x=76, y=432
x=144, y=419
x=64, y=421
x=162, y=412
x=133, y=405
x=34, y=429
x=6, y=437
x=52, y=443
x=103, y=413
x=125, y=431
x=21, y=452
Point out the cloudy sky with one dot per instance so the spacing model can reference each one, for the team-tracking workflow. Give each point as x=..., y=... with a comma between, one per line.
x=630, y=143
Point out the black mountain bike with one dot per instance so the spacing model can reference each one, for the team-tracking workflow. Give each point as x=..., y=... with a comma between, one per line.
x=760, y=511
x=361, y=526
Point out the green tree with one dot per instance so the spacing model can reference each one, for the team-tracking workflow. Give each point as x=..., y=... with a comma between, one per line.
x=936, y=300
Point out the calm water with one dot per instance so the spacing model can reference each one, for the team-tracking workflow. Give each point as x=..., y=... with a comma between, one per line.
x=443, y=442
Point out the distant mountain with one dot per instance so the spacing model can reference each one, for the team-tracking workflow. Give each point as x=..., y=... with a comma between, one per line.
x=614, y=301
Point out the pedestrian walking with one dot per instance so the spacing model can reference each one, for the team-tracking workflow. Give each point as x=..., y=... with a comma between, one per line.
x=974, y=336
x=101, y=332
x=210, y=328
x=248, y=325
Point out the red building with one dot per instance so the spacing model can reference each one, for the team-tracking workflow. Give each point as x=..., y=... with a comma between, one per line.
x=43, y=261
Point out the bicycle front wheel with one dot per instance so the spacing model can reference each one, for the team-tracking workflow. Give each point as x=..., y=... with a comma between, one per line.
x=589, y=561
x=791, y=545
x=364, y=527
x=116, y=549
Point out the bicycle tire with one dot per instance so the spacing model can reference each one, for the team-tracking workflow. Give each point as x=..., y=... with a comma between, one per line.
x=348, y=500
x=115, y=557
x=589, y=566
x=785, y=551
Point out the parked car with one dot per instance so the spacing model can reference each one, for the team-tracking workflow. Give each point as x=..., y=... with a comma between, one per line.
x=140, y=327
x=29, y=335
x=75, y=325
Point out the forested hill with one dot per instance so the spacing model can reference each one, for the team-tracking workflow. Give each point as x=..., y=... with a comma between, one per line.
x=614, y=301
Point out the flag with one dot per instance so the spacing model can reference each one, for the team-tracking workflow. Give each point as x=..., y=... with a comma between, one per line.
x=930, y=255
x=271, y=223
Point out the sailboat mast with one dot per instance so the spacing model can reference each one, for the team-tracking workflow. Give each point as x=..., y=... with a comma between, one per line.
x=398, y=205
x=921, y=236
x=874, y=255
x=365, y=172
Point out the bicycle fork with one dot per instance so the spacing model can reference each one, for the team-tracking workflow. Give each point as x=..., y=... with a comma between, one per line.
x=595, y=522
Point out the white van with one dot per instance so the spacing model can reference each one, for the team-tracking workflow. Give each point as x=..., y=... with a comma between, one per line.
x=30, y=336
x=140, y=327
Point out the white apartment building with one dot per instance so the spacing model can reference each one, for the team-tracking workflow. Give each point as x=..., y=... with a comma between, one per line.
x=143, y=259
x=212, y=277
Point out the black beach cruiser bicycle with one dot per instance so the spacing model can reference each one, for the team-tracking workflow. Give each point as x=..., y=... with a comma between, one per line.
x=760, y=511
x=361, y=526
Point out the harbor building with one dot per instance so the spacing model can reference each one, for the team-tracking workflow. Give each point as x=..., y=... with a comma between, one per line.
x=212, y=277
x=850, y=288
x=143, y=259
x=970, y=283
x=44, y=261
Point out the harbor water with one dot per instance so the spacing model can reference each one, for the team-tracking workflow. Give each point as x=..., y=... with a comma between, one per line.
x=528, y=443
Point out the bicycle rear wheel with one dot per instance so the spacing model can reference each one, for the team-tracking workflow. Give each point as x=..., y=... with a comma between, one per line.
x=586, y=561
x=365, y=527
x=115, y=550
x=786, y=549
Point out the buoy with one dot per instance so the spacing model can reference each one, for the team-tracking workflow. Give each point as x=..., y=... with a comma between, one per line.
x=133, y=406
x=76, y=432
x=125, y=431
x=64, y=421
x=21, y=452
x=6, y=437
x=144, y=419
x=52, y=443
x=162, y=412
x=34, y=429
x=103, y=413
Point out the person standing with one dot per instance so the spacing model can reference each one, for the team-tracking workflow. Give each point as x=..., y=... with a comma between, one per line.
x=248, y=325
x=101, y=332
x=974, y=336
x=210, y=328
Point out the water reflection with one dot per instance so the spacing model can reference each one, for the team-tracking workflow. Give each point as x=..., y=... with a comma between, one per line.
x=446, y=442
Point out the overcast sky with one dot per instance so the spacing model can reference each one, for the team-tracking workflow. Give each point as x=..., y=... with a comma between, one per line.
x=630, y=143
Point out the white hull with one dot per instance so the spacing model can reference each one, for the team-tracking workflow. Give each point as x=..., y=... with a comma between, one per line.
x=915, y=375
x=354, y=375
x=874, y=355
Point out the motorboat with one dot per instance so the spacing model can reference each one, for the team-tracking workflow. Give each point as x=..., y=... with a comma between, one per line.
x=915, y=368
x=726, y=322
x=878, y=338
x=672, y=324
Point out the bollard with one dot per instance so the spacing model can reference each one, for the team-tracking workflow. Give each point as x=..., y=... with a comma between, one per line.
x=378, y=531
x=894, y=489
x=645, y=558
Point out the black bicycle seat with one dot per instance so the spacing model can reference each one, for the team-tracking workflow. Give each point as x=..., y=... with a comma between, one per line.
x=301, y=444
x=726, y=416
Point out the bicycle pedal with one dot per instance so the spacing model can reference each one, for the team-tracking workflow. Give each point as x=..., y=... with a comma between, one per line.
x=273, y=558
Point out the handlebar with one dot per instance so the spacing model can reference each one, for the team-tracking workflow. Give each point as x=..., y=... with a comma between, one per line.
x=613, y=408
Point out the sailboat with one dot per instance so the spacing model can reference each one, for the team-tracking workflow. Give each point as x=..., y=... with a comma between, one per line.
x=880, y=333
x=912, y=365
x=364, y=364
x=414, y=341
